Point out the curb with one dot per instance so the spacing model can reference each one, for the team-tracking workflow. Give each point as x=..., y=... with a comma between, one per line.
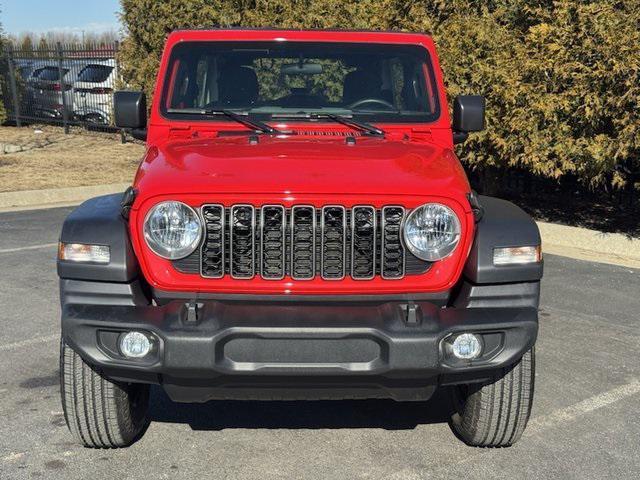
x=591, y=245
x=573, y=242
x=54, y=197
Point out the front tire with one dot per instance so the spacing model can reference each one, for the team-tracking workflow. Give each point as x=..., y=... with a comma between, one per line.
x=99, y=412
x=495, y=414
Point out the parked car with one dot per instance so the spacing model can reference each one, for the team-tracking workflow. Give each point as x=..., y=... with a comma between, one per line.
x=26, y=71
x=51, y=93
x=299, y=228
x=93, y=92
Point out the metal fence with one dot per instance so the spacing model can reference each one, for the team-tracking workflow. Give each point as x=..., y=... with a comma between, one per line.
x=61, y=84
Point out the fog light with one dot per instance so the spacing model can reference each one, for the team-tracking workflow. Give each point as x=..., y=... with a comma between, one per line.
x=135, y=344
x=467, y=346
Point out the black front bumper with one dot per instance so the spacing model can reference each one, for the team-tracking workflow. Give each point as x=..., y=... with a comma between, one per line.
x=298, y=350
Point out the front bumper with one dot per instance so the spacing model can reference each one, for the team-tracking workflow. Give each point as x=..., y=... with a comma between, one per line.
x=298, y=350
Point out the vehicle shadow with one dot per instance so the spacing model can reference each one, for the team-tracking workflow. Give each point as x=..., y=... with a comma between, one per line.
x=324, y=414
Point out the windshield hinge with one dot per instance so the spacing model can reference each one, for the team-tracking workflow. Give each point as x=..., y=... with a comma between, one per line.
x=476, y=208
x=128, y=197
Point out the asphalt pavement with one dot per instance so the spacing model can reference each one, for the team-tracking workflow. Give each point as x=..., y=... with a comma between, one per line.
x=585, y=423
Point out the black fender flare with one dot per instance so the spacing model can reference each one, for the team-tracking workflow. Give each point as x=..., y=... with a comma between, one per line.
x=99, y=221
x=502, y=224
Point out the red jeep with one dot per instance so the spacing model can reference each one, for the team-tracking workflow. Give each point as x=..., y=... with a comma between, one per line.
x=299, y=228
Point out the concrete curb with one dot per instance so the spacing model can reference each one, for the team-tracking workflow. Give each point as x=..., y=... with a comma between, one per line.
x=591, y=245
x=573, y=242
x=53, y=197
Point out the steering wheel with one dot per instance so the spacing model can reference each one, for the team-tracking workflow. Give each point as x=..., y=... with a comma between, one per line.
x=364, y=101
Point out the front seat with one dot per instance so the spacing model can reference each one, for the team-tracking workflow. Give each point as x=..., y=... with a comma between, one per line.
x=359, y=85
x=238, y=86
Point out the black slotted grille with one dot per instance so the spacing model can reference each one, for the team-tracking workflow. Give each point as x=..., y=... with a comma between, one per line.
x=333, y=243
x=363, y=242
x=272, y=238
x=212, y=254
x=302, y=242
x=392, y=263
x=242, y=244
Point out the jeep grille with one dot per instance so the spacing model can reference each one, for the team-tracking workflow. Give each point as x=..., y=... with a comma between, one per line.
x=305, y=242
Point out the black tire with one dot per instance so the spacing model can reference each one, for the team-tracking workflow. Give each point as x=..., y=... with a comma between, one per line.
x=495, y=414
x=99, y=412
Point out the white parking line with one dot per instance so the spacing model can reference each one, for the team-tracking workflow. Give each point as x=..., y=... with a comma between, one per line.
x=31, y=247
x=576, y=410
x=559, y=417
x=29, y=342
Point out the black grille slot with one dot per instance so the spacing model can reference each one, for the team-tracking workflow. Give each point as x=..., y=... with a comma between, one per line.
x=212, y=256
x=242, y=242
x=392, y=262
x=333, y=242
x=363, y=243
x=272, y=242
x=303, y=242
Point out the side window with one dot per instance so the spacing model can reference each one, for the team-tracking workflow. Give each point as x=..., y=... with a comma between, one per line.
x=201, y=81
x=95, y=73
x=185, y=91
x=51, y=73
x=414, y=93
x=397, y=82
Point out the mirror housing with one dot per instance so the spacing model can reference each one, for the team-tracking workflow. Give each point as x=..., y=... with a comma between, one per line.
x=468, y=116
x=130, y=109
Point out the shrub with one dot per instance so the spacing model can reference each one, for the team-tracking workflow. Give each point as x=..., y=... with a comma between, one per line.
x=562, y=78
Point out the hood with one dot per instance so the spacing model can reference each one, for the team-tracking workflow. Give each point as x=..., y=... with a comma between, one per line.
x=300, y=165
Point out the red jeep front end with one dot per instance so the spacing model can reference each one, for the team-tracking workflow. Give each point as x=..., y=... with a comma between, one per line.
x=300, y=227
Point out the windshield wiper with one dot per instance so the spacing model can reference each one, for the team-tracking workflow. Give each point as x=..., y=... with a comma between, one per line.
x=256, y=125
x=348, y=121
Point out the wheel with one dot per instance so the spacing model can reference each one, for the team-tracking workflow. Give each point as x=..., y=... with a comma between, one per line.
x=495, y=414
x=95, y=119
x=99, y=412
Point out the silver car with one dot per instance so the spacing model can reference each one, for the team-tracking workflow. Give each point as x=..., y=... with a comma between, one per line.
x=50, y=92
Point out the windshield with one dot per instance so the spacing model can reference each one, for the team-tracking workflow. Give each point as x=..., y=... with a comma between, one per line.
x=371, y=82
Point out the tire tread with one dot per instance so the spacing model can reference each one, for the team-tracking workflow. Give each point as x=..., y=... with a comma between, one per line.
x=496, y=414
x=100, y=413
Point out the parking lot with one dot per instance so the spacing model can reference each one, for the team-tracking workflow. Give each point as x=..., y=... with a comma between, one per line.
x=585, y=424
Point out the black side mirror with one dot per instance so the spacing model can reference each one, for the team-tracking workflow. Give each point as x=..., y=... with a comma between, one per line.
x=468, y=116
x=130, y=110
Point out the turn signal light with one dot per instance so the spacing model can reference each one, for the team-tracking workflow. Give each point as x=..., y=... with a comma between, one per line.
x=80, y=252
x=517, y=255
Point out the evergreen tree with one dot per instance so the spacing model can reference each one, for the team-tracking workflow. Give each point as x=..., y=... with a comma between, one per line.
x=562, y=78
x=26, y=47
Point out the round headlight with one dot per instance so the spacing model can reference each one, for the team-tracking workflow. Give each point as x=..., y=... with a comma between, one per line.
x=432, y=231
x=172, y=230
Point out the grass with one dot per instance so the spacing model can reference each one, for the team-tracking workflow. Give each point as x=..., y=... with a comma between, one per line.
x=52, y=159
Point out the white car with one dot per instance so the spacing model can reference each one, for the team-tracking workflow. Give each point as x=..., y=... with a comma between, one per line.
x=92, y=92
